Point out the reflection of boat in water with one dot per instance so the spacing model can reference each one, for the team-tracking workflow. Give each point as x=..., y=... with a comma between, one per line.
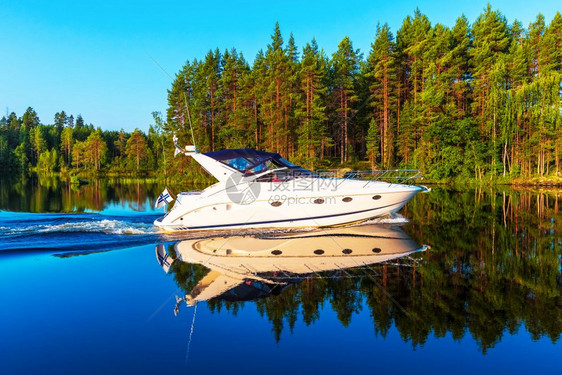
x=250, y=267
x=257, y=189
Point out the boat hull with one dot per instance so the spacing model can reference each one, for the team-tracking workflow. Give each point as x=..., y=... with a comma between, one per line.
x=345, y=202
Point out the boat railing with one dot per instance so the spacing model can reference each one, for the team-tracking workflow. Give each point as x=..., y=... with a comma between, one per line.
x=395, y=176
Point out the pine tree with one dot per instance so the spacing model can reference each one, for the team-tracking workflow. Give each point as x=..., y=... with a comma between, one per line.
x=79, y=121
x=344, y=70
x=373, y=143
x=413, y=42
x=210, y=70
x=491, y=42
x=290, y=97
x=78, y=157
x=38, y=143
x=60, y=120
x=262, y=100
x=277, y=80
x=382, y=80
x=310, y=111
x=180, y=100
x=95, y=150
x=30, y=119
x=67, y=141
x=459, y=66
x=236, y=111
x=136, y=149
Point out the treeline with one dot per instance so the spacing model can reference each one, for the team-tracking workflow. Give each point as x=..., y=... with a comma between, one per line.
x=472, y=101
x=71, y=145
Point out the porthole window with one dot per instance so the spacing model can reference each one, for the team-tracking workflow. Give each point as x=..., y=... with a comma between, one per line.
x=347, y=251
x=319, y=252
x=376, y=197
x=276, y=252
x=319, y=201
x=377, y=250
x=276, y=204
x=347, y=199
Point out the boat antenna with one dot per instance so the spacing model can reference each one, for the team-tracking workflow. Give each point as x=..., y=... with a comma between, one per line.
x=184, y=99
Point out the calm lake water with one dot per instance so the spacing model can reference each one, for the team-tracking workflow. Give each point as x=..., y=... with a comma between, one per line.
x=463, y=280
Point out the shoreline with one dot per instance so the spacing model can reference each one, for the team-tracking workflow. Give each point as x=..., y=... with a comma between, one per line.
x=544, y=182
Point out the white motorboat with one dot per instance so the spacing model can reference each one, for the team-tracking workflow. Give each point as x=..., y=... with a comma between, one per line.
x=247, y=267
x=257, y=189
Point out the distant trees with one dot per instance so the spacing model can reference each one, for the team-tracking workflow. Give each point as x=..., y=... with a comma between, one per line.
x=70, y=145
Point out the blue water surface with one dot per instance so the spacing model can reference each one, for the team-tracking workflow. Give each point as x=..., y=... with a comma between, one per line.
x=84, y=293
x=112, y=313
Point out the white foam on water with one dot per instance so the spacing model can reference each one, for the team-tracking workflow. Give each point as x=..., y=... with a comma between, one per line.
x=397, y=219
x=102, y=226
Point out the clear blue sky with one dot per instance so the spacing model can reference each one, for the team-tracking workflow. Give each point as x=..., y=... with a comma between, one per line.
x=92, y=58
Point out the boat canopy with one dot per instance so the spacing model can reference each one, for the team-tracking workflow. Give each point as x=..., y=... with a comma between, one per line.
x=250, y=161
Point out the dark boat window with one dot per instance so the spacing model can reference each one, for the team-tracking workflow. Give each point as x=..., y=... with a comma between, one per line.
x=347, y=199
x=319, y=252
x=319, y=201
x=347, y=251
x=377, y=250
x=276, y=252
x=250, y=161
x=276, y=204
x=377, y=197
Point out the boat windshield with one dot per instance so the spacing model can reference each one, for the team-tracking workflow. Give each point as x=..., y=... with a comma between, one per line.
x=249, y=161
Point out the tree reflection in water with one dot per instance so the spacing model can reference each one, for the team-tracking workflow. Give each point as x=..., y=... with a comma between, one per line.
x=40, y=193
x=494, y=266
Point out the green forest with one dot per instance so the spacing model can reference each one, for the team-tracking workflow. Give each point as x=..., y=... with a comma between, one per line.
x=71, y=145
x=476, y=101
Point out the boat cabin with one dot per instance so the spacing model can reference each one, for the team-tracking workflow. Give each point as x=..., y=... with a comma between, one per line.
x=253, y=162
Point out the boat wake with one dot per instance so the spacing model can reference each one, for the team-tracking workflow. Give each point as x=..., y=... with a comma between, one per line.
x=105, y=226
x=74, y=232
x=397, y=219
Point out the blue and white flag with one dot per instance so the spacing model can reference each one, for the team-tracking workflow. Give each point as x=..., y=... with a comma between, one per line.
x=163, y=258
x=163, y=199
